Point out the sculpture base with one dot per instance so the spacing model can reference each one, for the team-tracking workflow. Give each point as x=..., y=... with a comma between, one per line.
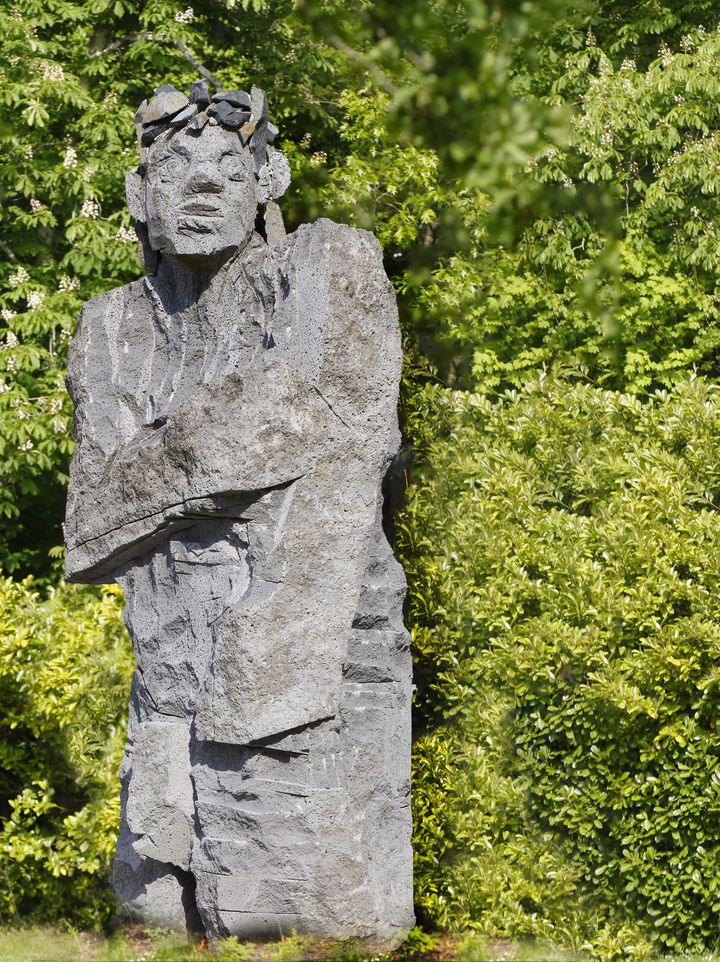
x=302, y=835
x=307, y=831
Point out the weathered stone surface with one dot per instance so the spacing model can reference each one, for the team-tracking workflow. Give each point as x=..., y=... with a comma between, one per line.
x=246, y=132
x=151, y=133
x=198, y=121
x=237, y=98
x=184, y=115
x=199, y=93
x=274, y=226
x=160, y=804
x=227, y=115
x=235, y=413
x=163, y=105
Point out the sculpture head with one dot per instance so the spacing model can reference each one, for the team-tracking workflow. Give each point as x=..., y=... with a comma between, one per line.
x=201, y=195
x=206, y=171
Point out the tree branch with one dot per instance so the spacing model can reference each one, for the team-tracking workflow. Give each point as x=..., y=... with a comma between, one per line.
x=124, y=42
x=357, y=56
x=361, y=58
x=191, y=58
x=8, y=251
x=149, y=35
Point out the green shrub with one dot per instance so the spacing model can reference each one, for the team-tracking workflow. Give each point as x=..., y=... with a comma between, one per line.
x=563, y=551
x=65, y=667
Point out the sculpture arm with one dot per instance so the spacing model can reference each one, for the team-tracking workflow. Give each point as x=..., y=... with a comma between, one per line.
x=222, y=447
x=323, y=388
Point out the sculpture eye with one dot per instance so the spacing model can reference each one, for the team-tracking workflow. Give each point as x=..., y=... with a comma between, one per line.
x=169, y=167
x=233, y=167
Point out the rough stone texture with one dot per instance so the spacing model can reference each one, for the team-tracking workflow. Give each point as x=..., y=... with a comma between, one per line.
x=236, y=98
x=235, y=415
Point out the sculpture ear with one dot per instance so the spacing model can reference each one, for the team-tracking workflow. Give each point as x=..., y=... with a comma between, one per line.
x=279, y=172
x=149, y=258
x=264, y=185
x=135, y=194
x=274, y=224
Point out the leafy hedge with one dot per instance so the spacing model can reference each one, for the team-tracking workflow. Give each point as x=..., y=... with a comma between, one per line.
x=563, y=548
x=564, y=557
x=65, y=668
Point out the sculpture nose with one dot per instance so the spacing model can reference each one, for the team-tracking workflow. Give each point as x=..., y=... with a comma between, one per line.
x=204, y=178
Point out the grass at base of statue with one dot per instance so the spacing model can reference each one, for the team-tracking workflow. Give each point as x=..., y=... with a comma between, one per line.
x=138, y=944
x=131, y=943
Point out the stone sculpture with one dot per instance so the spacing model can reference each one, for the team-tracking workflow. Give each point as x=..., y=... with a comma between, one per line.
x=235, y=415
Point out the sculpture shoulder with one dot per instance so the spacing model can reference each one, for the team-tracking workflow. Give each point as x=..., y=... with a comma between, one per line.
x=100, y=321
x=341, y=307
x=338, y=268
x=329, y=231
x=325, y=243
x=101, y=313
x=98, y=308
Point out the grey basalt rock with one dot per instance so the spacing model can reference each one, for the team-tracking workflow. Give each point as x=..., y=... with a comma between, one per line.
x=235, y=414
x=236, y=98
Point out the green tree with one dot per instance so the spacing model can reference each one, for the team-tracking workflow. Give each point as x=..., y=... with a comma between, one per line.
x=619, y=277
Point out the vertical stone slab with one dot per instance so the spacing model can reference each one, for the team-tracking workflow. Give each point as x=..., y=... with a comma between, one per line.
x=235, y=414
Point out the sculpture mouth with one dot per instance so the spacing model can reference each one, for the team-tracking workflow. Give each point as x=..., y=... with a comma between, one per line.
x=199, y=217
x=201, y=208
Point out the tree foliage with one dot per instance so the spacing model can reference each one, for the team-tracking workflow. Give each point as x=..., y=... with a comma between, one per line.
x=613, y=268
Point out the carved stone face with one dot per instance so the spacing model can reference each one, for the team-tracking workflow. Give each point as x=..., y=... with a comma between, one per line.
x=200, y=193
